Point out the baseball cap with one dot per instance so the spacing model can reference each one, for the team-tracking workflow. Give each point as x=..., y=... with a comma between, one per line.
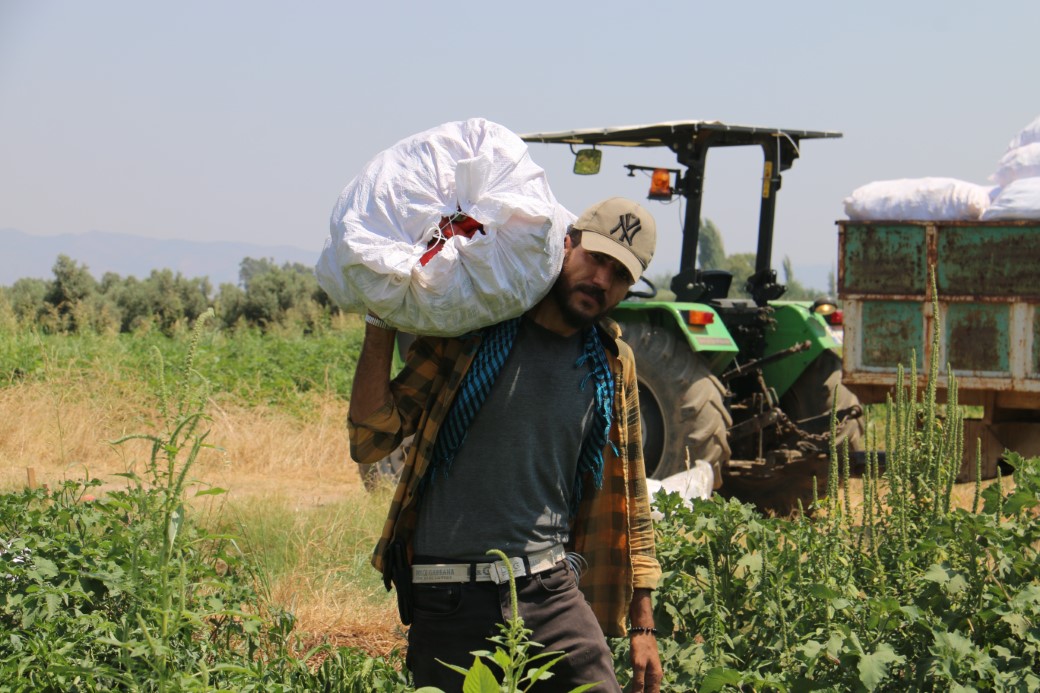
x=621, y=229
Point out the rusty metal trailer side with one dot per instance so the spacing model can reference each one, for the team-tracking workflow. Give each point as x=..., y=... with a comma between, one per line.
x=988, y=287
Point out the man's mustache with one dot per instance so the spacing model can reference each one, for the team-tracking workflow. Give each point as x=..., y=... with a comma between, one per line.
x=594, y=291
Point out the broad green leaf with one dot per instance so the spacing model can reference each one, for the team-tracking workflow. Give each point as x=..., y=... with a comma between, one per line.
x=751, y=561
x=953, y=642
x=1017, y=623
x=1028, y=595
x=215, y=491
x=718, y=678
x=936, y=573
x=1018, y=501
x=45, y=567
x=479, y=679
x=873, y=668
x=811, y=649
x=957, y=584
x=501, y=658
x=823, y=591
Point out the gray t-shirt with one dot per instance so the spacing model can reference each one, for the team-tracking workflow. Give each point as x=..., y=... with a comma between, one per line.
x=509, y=486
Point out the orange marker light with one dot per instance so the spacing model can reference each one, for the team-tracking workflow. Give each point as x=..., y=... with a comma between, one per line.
x=660, y=185
x=700, y=318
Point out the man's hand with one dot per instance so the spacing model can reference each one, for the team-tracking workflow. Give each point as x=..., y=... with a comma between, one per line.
x=646, y=661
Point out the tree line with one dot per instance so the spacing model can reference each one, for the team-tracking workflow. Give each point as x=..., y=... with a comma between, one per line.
x=267, y=295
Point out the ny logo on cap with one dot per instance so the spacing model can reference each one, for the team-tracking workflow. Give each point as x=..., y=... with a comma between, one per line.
x=629, y=225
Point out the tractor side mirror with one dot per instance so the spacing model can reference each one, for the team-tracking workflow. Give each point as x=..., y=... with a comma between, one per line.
x=587, y=161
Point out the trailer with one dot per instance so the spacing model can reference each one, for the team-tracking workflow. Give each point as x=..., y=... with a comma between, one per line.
x=987, y=291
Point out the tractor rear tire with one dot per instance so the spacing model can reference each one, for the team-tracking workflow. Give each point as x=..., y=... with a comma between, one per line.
x=816, y=390
x=681, y=403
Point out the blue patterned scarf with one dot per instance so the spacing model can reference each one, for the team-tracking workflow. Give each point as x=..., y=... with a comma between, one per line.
x=487, y=363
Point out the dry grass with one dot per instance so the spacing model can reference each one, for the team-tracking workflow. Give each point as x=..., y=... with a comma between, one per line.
x=64, y=432
x=266, y=460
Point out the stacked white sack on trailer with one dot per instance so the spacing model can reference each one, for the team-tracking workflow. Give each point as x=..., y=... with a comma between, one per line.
x=1016, y=194
x=391, y=249
x=926, y=199
x=1018, y=175
x=1019, y=199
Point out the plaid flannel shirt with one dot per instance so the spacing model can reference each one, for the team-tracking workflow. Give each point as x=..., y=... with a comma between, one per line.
x=613, y=529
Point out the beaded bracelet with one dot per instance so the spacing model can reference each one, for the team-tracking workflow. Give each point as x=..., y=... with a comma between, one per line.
x=635, y=630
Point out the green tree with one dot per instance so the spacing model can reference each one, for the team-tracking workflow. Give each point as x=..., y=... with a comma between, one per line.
x=274, y=295
x=26, y=297
x=711, y=251
x=69, y=293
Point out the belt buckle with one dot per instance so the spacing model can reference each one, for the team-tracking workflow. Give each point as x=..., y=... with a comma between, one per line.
x=499, y=573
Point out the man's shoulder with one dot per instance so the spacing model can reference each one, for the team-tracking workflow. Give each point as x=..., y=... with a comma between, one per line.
x=429, y=354
x=611, y=334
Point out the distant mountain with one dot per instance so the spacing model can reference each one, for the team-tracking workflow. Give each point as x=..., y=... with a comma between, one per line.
x=26, y=255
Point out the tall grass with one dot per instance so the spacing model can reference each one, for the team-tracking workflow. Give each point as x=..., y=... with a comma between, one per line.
x=127, y=591
x=316, y=559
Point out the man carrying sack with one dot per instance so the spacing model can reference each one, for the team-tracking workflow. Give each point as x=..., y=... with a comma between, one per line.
x=528, y=441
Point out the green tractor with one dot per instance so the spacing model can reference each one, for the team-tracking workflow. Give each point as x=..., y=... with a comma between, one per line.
x=747, y=385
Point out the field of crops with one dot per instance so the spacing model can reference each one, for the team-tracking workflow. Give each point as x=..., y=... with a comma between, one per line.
x=196, y=524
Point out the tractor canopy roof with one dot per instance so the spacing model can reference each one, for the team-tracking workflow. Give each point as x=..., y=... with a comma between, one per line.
x=671, y=134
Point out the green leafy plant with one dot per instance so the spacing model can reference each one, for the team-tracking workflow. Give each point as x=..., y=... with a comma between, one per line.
x=905, y=592
x=514, y=656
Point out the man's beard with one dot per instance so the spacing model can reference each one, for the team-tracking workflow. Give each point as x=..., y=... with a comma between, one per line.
x=563, y=292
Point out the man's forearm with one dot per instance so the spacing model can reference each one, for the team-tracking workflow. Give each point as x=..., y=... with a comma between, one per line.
x=371, y=389
x=646, y=660
x=641, y=611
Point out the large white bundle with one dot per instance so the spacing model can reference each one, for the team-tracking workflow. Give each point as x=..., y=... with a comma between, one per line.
x=388, y=217
x=923, y=199
x=1020, y=162
x=695, y=482
x=1019, y=199
x=1028, y=135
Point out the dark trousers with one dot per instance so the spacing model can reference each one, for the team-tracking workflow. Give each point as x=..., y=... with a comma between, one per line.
x=450, y=621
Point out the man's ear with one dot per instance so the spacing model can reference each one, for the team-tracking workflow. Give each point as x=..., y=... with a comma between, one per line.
x=572, y=238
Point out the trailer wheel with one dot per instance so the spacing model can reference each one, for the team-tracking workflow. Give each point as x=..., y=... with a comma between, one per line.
x=812, y=395
x=680, y=402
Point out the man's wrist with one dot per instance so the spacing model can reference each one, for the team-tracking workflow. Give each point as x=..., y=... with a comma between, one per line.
x=379, y=322
x=642, y=630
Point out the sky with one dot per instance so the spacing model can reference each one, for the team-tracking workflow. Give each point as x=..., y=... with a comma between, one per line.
x=243, y=121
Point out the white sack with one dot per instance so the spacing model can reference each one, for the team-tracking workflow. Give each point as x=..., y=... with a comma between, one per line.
x=1020, y=162
x=921, y=199
x=386, y=217
x=1019, y=199
x=696, y=482
x=1028, y=135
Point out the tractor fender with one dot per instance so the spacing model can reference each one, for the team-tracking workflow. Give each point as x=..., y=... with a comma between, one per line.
x=794, y=323
x=709, y=338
